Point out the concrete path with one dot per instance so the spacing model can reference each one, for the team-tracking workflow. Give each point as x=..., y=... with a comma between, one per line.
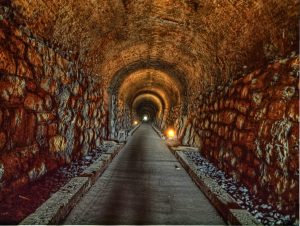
x=143, y=186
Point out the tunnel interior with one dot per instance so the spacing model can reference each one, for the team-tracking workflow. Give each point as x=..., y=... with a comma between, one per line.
x=154, y=89
x=224, y=75
x=146, y=110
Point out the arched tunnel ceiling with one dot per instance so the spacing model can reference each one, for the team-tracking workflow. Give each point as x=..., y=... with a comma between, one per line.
x=208, y=40
x=150, y=81
x=160, y=95
x=148, y=103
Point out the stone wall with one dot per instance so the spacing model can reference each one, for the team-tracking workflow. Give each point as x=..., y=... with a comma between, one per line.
x=120, y=120
x=51, y=111
x=249, y=129
x=123, y=123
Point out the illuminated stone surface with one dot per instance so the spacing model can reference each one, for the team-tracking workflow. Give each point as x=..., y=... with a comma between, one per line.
x=224, y=75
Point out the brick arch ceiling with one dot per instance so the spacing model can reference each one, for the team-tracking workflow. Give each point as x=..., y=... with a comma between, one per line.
x=154, y=75
x=154, y=93
x=145, y=99
x=208, y=40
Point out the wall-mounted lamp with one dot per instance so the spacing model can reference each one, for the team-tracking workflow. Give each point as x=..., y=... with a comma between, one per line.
x=170, y=133
x=135, y=122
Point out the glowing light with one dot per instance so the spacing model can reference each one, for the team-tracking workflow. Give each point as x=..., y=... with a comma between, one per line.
x=135, y=122
x=170, y=133
x=145, y=118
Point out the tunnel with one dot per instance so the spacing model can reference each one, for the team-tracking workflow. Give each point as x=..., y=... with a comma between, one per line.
x=152, y=88
x=152, y=111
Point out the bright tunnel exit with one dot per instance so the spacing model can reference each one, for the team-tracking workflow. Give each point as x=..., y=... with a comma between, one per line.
x=145, y=118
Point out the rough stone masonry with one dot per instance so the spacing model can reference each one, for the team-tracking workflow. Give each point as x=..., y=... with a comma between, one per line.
x=250, y=129
x=224, y=74
x=51, y=111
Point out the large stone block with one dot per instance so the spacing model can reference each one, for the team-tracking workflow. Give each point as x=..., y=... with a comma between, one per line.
x=48, y=102
x=283, y=92
x=221, y=103
x=52, y=129
x=57, y=143
x=248, y=78
x=75, y=88
x=34, y=58
x=231, y=91
x=41, y=135
x=227, y=103
x=30, y=86
x=247, y=139
x=2, y=140
x=258, y=83
x=7, y=62
x=37, y=172
x=28, y=152
x=294, y=139
x=240, y=120
x=238, y=152
x=216, y=106
x=12, y=87
x=221, y=131
x=227, y=132
x=245, y=92
x=242, y=106
x=62, y=62
x=49, y=85
x=228, y=117
x=293, y=111
x=17, y=161
x=235, y=136
x=34, y=102
x=206, y=125
x=66, y=116
x=59, y=73
x=23, y=126
x=232, y=103
x=257, y=98
x=21, y=181
x=293, y=163
x=66, y=79
x=17, y=46
x=251, y=172
x=276, y=110
x=23, y=70
x=48, y=69
x=45, y=117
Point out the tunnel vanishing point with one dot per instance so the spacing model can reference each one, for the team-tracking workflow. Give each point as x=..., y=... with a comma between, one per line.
x=223, y=75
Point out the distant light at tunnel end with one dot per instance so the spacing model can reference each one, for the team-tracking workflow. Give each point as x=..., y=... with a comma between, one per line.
x=145, y=118
x=170, y=133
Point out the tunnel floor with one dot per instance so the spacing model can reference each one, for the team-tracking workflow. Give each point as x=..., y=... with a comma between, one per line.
x=145, y=184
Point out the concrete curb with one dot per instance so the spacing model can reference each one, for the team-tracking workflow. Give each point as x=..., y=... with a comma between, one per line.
x=58, y=206
x=133, y=130
x=157, y=131
x=226, y=205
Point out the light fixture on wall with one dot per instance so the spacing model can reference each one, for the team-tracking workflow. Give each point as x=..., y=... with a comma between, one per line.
x=171, y=133
x=135, y=122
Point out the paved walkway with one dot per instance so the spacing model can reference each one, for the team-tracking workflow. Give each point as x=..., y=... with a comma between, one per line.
x=143, y=186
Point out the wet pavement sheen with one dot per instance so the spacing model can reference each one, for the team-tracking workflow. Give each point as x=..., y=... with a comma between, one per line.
x=143, y=185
